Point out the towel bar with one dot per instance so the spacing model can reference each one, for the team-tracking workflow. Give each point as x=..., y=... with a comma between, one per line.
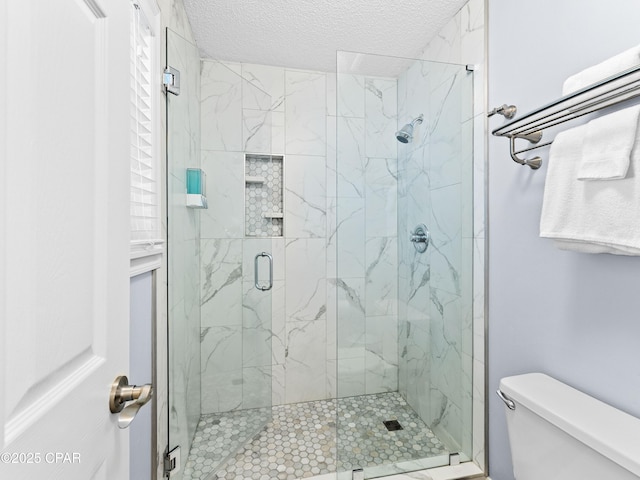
x=598, y=96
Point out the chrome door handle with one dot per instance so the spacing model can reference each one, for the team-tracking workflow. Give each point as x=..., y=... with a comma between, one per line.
x=121, y=393
x=255, y=271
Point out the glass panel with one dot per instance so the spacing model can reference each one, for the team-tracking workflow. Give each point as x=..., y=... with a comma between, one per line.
x=183, y=231
x=404, y=317
x=219, y=320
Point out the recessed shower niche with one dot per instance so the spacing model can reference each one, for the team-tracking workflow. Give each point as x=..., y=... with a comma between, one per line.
x=264, y=202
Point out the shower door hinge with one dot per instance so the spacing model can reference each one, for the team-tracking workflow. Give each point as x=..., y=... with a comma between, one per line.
x=171, y=80
x=454, y=459
x=171, y=462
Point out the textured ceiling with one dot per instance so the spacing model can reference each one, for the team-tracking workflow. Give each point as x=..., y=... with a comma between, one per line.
x=306, y=34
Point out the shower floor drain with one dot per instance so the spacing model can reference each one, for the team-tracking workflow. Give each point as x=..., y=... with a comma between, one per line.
x=392, y=425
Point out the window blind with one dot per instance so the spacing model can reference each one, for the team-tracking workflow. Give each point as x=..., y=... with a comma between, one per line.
x=146, y=236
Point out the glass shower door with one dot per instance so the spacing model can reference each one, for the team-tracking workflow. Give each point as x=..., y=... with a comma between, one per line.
x=183, y=250
x=404, y=312
x=221, y=265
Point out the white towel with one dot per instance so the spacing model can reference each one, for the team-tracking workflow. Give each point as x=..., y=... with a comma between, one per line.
x=616, y=64
x=595, y=216
x=607, y=145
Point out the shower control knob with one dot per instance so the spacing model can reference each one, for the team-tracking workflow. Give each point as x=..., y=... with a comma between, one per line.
x=420, y=238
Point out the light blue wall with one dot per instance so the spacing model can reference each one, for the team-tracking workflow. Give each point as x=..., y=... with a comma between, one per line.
x=141, y=372
x=573, y=316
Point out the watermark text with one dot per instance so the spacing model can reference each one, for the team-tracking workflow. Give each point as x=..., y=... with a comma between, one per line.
x=40, y=457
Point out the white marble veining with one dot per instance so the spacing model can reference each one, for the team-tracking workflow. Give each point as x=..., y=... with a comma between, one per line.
x=351, y=156
x=257, y=331
x=365, y=230
x=221, y=372
x=305, y=280
x=221, y=282
x=381, y=193
x=256, y=131
x=350, y=237
x=445, y=128
x=221, y=107
x=445, y=225
x=332, y=168
x=260, y=80
x=417, y=285
x=305, y=110
x=332, y=238
x=351, y=332
x=305, y=361
x=350, y=95
x=306, y=202
x=381, y=356
x=278, y=384
x=225, y=184
x=278, y=323
x=415, y=365
x=278, y=133
x=351, y=381
x=381, y=265
x=280, y=111
x=256, y=387
x=381, y=116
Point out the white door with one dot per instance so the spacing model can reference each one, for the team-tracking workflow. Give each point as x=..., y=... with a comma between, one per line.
x=64, y=237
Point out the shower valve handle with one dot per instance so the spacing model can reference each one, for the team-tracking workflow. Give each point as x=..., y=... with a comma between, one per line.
x=419, y=239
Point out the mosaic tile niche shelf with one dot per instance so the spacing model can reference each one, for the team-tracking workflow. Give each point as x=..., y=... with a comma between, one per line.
x=300, y=440
x=264, y=203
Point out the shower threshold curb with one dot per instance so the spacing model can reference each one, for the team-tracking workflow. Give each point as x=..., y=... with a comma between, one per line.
x=448, y=472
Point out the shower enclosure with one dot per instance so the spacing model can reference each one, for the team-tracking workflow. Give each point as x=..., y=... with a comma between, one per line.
x=310, y=330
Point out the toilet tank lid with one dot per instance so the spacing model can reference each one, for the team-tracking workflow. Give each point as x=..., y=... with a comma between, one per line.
x=609, y=431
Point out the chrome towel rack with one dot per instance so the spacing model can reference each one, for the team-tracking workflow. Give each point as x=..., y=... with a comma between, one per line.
x=606, y=93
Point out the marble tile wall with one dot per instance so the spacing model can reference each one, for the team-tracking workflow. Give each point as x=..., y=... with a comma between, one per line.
x=235, y=335
x=365, y=211
x=294, y=113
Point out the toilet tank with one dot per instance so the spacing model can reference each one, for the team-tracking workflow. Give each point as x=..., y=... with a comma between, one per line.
x=559, y=433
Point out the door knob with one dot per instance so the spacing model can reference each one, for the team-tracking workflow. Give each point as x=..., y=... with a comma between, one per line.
x=121, y=393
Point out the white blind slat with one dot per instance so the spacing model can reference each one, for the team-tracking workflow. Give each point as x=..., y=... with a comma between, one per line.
x=144, y=210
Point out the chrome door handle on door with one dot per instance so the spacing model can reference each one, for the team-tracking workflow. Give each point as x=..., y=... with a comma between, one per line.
x=255, y=270
x=121, y=393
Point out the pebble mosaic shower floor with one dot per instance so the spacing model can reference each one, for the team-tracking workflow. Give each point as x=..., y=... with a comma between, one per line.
x=300, y=439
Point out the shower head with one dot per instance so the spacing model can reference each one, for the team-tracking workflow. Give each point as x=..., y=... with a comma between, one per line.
x=405, y=134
